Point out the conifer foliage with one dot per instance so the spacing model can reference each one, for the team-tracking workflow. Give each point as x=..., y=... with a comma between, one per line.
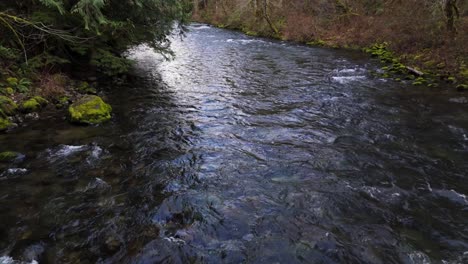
x=45, y=33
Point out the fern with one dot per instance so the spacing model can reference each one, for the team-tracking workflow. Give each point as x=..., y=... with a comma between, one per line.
x=90, y=11
x=57, y=4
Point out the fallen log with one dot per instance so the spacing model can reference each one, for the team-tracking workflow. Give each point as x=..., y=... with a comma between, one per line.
x=414, y=71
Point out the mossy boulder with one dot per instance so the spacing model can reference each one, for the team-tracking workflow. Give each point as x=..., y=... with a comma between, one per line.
x=90, y=109
x=5, y=124
x=34, y=104
x=9, y=156
x=7, y=105
x=462, y=87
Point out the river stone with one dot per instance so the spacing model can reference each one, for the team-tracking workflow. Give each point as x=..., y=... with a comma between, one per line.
x=90, y=109
x=7, y=106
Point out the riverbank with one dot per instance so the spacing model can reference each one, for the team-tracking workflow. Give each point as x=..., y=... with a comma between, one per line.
x=22, y=100
x=424, y=53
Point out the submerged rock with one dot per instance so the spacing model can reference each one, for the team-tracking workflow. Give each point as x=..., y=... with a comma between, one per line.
x=7, y=106
x=90, y=109
x=9, y=156
x=33, y=104
x=112, y=243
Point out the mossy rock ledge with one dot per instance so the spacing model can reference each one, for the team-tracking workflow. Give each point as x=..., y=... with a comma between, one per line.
x=90, y=110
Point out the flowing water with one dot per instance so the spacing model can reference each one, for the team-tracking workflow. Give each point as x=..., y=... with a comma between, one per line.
x=244, y=150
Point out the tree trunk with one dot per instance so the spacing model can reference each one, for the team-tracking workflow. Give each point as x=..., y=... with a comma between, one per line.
x=451, y=12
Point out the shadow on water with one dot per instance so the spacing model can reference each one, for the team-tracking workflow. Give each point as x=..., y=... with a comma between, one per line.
x=245, y=150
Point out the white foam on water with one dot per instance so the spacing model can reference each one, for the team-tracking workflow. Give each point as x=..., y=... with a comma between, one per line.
x=347, y=79
x=66, y=150
x=95, y=154
x=98, y=184
x=10, y=260
x=202, y=27
x=418, y=257
x=6, y=260
x=245, y=41
x=17, y=170
x=453, y=196
x=97, y=151
x=348, y=70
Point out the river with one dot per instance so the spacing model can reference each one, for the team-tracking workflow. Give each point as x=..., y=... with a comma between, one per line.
x=244, y=150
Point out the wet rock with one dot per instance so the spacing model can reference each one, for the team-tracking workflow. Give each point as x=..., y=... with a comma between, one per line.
x=32, y=116
x=90, y=110
x=34, y=104
x=7, y=106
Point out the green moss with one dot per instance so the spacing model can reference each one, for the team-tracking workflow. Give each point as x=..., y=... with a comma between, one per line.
x=7, y=105
x=317, y=42
x=421, y=79
x=5, y=124
x=85, y=88
x=43, y=102
x=62, y=101
x=90, y=109
x=451, y=79
x=251, y=33
x=385, y=75
x=9, y=91
x=441, y=66
x=417, y=83
x=464, y=73
x=30, y=105
x=34, y=104
x=8, y=156
x=12, y=81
